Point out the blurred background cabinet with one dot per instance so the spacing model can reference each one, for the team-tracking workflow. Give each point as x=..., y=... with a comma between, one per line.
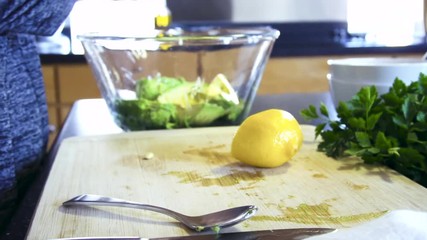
x=304, y=74
x=66, y=83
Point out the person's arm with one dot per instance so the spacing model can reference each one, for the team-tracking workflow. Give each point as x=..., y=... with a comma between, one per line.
x=37, y=17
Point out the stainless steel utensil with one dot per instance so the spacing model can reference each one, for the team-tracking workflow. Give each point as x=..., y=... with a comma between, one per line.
x=277, y=234
x=219, y=219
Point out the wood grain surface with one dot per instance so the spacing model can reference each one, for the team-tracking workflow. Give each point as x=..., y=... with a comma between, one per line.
x=192, y=172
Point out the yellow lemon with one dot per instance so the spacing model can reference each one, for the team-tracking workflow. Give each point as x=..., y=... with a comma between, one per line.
x=267, y=139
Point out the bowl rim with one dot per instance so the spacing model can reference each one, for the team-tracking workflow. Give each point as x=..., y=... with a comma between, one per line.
x=198, y=34
x=358, y=83
x=370, y=62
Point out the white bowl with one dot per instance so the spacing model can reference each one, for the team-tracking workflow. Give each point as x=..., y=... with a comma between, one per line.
x=345, y=90
x=377, y=70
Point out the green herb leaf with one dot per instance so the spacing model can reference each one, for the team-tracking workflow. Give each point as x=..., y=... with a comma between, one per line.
x=319, y=129
x=357, y=123
x=422, y=84
x=372, y=121
x=409, y=108
x=324, y=110
x=363, y=139
x=390, y=129
x=382, y=143
x=400, y=121
x=310, y=113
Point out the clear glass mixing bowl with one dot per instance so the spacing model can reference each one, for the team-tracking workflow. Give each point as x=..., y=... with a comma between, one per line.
x=180, y=77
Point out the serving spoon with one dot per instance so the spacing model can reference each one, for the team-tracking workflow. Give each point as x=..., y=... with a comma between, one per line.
x=214, y=221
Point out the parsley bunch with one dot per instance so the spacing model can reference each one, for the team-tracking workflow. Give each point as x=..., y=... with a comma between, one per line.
x=388, y=129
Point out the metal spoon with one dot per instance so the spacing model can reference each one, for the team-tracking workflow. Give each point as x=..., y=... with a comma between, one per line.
x=215, y=221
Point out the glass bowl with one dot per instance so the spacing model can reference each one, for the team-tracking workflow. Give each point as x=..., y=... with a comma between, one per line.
x=180, y=77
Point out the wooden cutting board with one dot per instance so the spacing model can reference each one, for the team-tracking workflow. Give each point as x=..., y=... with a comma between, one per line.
x=192, y=172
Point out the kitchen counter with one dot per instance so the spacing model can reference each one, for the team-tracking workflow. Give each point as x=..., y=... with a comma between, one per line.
x=91, y=117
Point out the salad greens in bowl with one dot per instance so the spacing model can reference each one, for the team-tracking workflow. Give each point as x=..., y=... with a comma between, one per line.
x=180, y=77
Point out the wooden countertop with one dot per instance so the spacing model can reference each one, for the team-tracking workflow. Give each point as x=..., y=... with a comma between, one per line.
x=192, y=171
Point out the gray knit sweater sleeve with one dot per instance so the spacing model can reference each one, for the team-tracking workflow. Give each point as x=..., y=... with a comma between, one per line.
x=23, y=110
x=37, y=17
